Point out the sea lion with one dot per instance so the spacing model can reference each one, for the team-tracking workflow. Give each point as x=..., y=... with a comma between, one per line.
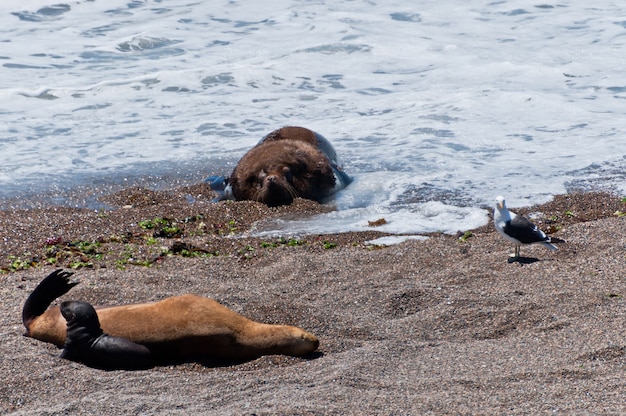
x=88, y=344
x=287, y=163
x=176, y=329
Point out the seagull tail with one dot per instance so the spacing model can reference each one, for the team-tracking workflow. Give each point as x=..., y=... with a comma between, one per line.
x=550, y=246
x=557, y=240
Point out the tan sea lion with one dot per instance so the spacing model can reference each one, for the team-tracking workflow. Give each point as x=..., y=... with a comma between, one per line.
x=177, y=329
x=287, y=163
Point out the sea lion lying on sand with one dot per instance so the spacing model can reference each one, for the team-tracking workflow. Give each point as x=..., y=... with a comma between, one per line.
x=177, y=329
x=287, y=163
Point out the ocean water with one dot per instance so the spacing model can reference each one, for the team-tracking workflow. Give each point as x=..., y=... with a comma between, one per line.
x=433, y=107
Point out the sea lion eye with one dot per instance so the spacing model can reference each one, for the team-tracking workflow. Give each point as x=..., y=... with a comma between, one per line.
x=261, y=177
x=287, y=173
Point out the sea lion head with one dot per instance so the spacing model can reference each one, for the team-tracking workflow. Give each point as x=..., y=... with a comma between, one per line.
x=303, y=343
x=81, y=317
x=276, y=172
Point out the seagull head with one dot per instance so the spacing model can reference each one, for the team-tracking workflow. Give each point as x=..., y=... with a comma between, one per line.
x=500, y=204
x=500, y=213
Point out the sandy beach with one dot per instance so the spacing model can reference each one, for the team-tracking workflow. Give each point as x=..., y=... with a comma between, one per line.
x=446, y=325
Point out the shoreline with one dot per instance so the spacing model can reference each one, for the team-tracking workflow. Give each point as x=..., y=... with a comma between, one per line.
x=444, y=325
x=185, y=221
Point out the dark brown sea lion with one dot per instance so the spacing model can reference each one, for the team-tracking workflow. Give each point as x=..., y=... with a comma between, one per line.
x=86, y=342
x=287, y=163
x=176, y=329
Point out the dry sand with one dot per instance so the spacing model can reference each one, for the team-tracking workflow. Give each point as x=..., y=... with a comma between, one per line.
x=441, y=326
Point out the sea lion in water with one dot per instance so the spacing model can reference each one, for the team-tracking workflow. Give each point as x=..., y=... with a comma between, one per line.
x=287, y=163
x=88, y=344
x=177, y=329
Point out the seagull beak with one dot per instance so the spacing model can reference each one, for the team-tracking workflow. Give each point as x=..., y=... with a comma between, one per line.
x=500, y=204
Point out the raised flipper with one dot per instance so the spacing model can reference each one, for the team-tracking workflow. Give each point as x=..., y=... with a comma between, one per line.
x=54, y=285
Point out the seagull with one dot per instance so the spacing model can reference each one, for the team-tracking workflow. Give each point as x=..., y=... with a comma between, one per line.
x=517, y=229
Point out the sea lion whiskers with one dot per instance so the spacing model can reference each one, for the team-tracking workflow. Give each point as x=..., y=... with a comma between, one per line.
x=291, y=189
x=275, y=187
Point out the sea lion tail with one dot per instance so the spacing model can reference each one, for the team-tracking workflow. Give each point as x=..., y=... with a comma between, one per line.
x=54, y=285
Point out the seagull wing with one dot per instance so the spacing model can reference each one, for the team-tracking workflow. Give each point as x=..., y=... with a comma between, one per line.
x=524, y=231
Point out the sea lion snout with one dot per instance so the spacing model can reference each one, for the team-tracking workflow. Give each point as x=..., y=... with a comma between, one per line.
x=277, y=190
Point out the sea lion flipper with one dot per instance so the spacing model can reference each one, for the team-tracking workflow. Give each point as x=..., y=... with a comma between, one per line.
x=220, y=185
x=54, y=285
x=88, y=344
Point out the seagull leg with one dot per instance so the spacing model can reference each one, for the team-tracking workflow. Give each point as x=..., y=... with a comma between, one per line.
x=514, y=257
